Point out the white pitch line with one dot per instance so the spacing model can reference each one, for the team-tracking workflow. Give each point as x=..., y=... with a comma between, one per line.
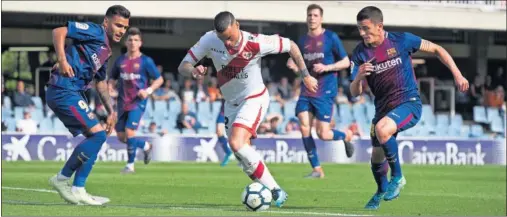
x=199, y=208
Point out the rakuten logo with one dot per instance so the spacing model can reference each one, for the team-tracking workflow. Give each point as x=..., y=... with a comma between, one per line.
x=384, y=66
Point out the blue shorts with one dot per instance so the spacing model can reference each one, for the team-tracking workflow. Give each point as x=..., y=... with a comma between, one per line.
x=322, y=107
x=129, y=119
x=71, y=107
x=221, y=118
x=406, y=116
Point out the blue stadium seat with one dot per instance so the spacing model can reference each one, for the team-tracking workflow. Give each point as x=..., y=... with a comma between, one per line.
x=465, y=131
x=204, y=108
x=441, y=130
x=497, y=126
x=215, y=107
x=160, y=106
x=359, y=112
x=476, y=131
x=58, y=126
x=442, y=120
x=428, y=118
x=37, y=101
x=11, y=124
x=192, y=107
x=492, y=113
x=38, y=115
x=457, y=120
x=46, y=126
x=18, y=112
x=6, y=113
x=454, y=130
x=174, y=107
x=148, y=111
x=480, y=114
x=275, y=108
x=370, y=111
x=7, y=103
x=289, y=109
x=345, y=112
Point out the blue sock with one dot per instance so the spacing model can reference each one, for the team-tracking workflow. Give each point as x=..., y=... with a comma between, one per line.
x=311, y=151
x=391, y=153
x=379, y=171
x=83, y=172
x=132, y=145
x=85, y=151
x=338, y=135
x=225, y=145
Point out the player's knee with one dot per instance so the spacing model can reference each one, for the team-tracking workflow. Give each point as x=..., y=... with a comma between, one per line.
x=305, y=129
x=383, y=133
x=322, y=134
x=235, y=144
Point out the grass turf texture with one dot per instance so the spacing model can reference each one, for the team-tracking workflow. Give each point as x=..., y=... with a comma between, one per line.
x=208, y=189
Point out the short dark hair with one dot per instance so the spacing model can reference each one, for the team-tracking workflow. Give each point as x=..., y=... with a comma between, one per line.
x=223, y=20
x=118, y=10
x=134, y=31
x=315, y=6
x=371, y=12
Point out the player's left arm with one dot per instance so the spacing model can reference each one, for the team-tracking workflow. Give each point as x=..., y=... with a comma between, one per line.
x=339, y=51
x=416, y=43
x=153, y=73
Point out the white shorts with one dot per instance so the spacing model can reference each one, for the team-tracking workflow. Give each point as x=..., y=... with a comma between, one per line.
x=248, y=114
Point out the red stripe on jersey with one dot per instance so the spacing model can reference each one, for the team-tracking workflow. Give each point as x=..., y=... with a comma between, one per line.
x=238, y=63
x=281, y=45
x=192, y=55
x=257, y=95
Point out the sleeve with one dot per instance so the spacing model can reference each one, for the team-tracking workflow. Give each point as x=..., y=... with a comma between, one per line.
x=355, y=62
x=84, y=31
x=115, y=71
x=337, y=47
x=411, y=42
x=198, y=51
x=102, y=74
x=151, y=68
x=273, y=44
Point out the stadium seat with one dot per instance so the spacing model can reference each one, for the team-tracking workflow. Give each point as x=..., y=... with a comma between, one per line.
x=7, y=103
x=38, y=115
x=6, y=113
x=454, y=130
x=215, y=107
x=428, y=118
x=174, y=107
x=359, y=112
x=18, y=112
x=148, y=111
x=441, y=130
x=345, y=112
x=192, y=106
x=442, y=120
x=275, y=108
x=160, y=105
x=476, y=131
x=46, y=126
x=465, y=131
x=58, y=126
x=289, y=109
x=187, y=131
x=11, y=124
x=204, y=108
x=37, y=101
x=457, y=120
x=480, y=114
x=370, y=111
x=492, y=113
x=497, y=126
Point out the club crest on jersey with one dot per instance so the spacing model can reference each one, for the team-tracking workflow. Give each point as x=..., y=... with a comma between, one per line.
x=319, y=44
x=136, y=66
x=123, y=65
x=391, y=52
x=247, y=55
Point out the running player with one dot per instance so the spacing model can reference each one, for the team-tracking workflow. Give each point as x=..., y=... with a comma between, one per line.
x=383, y=61
x=236, y=54
x=134, y=70
x=78, y=64
x=324, y=56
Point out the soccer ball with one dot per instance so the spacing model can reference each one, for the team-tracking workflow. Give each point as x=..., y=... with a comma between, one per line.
x=256, y=197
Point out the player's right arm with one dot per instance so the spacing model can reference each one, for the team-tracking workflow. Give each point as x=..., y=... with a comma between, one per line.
x=194, y=55
x=59, y=35
x=358, y=73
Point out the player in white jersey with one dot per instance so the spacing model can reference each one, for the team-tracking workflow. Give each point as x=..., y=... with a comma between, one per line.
x=237, y=57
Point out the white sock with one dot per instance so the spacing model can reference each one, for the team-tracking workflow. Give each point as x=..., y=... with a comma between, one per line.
x=130, y=166
x=76, y=189
x=254, y=167
x=146, y=146
x=61, y=177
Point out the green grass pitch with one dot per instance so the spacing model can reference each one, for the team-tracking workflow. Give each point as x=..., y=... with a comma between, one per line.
x=208, y=189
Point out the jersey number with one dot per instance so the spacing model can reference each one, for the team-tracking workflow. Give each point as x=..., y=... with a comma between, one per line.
x=83, y=105
x=226, y=122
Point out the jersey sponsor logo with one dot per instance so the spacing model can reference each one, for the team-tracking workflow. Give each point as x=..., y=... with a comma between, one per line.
x=96, y=61
x=218, y=51
x=313, y=56
x=130, y=76
x=230, y=72
x=389, y=64
x=82, y=26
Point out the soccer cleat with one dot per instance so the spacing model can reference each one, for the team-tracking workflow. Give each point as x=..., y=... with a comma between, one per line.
x=374, y=202
x=147, y=154
x=394, y=188
x=84, y=198
x=280, y=196
x=227, y=157
x=127, y=170
x=315, y=175
x=64, y=189
x=349, y=148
